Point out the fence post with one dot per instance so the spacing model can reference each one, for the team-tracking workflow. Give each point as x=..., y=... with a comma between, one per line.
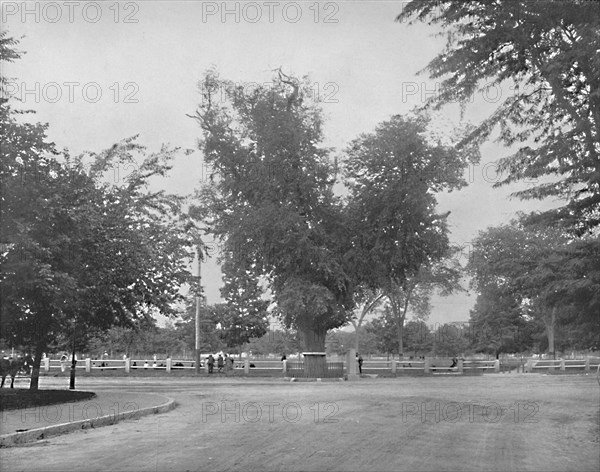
x=393, y=366
x=246, y=366
x=587, y=364
x=528, y=365
x=169, y=364
x=497, y=365
x=88, y=365
x=426, y=366
x=284, y=366
x=351, y=365
x=460, y=366
x=562, y=364
x=46, y=364
x=127, y=365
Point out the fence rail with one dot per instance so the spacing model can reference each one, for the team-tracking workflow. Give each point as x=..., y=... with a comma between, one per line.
x=168, y=365
x=434, y=366
x=550, y=365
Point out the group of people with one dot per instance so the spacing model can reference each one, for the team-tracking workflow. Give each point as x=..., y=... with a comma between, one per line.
x=222, y=363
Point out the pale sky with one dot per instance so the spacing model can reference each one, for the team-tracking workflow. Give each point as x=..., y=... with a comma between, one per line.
x=99, y=72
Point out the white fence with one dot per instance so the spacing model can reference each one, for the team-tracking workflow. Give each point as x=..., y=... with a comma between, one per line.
x=393, y=366
x=550, y=365
x=167, y=365
x=431, y=365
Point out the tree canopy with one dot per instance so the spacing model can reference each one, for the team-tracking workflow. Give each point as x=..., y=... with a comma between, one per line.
x=245, y=310
x=79, y=251
x=271, y=197
x=543, y=57
x=393, y=176
x=524, y=274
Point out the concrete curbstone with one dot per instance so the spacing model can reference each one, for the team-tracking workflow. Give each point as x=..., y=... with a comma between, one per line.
x=22, y=437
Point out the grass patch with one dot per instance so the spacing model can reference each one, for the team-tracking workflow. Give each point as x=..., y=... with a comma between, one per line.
x=16, y=398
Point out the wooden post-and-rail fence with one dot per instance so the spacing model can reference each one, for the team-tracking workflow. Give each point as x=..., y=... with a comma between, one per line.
x=292, y=367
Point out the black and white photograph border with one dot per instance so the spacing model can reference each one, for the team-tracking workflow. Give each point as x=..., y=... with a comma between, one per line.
x=300, y=235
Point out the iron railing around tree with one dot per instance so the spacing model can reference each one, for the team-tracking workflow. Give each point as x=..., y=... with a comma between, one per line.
x=296, y=370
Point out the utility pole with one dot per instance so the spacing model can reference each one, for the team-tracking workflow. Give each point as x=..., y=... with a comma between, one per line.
x=198, y=298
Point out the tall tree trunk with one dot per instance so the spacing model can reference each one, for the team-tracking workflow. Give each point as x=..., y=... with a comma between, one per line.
x=549, y=322
x=369, y=305
x=74, y=362
x=394, y=302
x=314, y=341
x=356, y=326
x=400, y=332
x=404, y=312
x=399, y=313
x=399, y=317
x=35, y=370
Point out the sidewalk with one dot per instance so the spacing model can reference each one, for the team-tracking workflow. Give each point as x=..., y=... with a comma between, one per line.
x=31, y=424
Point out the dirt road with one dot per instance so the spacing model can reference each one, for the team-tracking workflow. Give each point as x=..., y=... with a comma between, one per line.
x=494, y=422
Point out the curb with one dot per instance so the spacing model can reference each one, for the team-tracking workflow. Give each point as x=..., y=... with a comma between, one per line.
x=13, y=439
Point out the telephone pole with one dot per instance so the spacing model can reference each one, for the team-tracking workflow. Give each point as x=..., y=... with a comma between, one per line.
x=198, y=300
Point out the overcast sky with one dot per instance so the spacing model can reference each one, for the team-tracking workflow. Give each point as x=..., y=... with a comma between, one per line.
x=99, y=72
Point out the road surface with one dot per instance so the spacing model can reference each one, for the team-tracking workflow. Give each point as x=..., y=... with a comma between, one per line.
x=499, y=422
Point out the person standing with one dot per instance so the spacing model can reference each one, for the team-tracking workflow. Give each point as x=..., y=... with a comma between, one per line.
x=63, y=362
x=220, y=363
x=211, y=363
x=360, y=363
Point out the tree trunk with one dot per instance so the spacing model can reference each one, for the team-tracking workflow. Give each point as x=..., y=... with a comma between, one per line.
x=74, y=363
x=399, y=315
x=35, y=371
x=314, y=341
x=550, y=322
x=73, y=368
x=400, y=336
x=367, y=308
x=356, y=335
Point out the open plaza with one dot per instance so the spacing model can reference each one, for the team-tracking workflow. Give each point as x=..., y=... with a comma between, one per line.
x=501, y=422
